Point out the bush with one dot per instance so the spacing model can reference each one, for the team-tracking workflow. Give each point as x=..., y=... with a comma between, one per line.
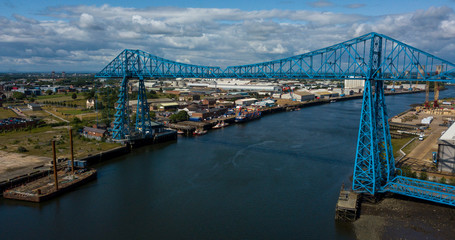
x=452, y=181
x=37, y=146
x=443, y=180
x=76, y=120
x=423, y=176
x=22, y=149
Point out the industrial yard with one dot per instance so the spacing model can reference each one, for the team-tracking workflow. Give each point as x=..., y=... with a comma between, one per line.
x=421, y=151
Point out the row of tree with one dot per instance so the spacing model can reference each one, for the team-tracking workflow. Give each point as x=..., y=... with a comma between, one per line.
x=59, y=103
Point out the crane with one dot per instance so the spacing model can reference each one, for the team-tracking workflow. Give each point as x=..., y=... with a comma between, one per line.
x=436, y=87
x=427, y=85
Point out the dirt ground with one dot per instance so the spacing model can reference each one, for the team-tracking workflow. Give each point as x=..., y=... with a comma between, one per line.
x=16, y=164
x=398, y=217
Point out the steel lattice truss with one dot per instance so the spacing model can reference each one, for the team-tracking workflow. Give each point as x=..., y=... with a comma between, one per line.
x=432, y=191
x=398, y=61
x=137, y=63
x=373, y=58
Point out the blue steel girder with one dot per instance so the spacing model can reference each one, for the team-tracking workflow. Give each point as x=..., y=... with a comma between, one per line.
x=397, y=61
x=136, y=63
x=431, y=191
x=143, y=122
x=121, y=122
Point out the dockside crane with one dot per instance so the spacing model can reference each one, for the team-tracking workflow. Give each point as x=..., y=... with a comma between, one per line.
x=436, y=88
x=427, y=94
x=427, y=85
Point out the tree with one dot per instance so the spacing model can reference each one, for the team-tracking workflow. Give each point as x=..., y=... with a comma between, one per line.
x=180, y=116
x=90, y=95
x=76, y=120
x=49, y=92
x=152, y=114
x=18, y=95
x=74, y=96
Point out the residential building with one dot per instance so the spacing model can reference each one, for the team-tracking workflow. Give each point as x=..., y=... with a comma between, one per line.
x=94, y=133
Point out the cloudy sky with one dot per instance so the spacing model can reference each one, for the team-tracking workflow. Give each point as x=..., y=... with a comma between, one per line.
x=86, y=35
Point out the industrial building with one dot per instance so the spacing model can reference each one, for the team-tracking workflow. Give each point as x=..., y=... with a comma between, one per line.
x=237, y=85
x=324, y=94
x=299, y=96
x=355, y=84
x=446, y=151
x=245, y=102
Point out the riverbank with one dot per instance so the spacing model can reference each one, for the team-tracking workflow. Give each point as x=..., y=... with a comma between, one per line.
x=399, y=217
x=283, y=105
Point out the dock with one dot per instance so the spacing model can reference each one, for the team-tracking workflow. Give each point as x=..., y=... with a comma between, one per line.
x=347, y=206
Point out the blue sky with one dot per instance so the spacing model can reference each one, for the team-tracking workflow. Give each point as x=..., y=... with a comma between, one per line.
x=86, y=35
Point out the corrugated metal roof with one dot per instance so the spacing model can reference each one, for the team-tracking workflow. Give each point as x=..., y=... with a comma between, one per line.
x=97, y=130
x=169, y=104
x=449, y=134
x=304, y=93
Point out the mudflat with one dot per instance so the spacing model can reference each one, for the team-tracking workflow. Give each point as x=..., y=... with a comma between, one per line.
x=399, y=217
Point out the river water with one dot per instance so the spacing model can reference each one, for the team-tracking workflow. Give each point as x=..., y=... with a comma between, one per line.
x=273, y=178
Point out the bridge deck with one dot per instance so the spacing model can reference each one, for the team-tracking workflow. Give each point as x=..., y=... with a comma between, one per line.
x=436, y=192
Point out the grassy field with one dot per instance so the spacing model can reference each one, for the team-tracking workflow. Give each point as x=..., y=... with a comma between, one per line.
x=411, y=146
x=70, y=113
x=79, y=101
x=6, y=113
x=59, y=97
x=46, y=117
x=38, y=142
x=397, y=144
x=74, y=111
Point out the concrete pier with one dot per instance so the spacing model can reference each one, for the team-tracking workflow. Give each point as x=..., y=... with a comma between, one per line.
x=347, y=206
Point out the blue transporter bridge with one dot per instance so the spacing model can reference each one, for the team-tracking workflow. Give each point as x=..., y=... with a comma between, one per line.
x=373, y=58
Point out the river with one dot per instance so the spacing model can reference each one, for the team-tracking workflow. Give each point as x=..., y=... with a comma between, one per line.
x=273, y=178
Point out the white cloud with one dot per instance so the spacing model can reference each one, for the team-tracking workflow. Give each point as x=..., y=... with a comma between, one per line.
x=321, y=3
x=88, y=37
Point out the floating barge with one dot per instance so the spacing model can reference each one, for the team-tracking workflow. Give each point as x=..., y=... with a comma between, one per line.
x=44, y=188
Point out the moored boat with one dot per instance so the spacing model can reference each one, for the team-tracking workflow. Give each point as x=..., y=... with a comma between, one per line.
x=199, y=132
x=220, y=125
x=247, y=115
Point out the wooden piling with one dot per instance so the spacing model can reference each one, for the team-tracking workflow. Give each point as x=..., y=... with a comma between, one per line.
x=72, y=155
x=55, y=165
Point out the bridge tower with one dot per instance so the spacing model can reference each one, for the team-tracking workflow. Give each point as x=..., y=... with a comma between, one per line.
x=130, y=65
x=374, y=163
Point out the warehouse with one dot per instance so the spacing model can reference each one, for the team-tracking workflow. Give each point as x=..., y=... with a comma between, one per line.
x=446, y=151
